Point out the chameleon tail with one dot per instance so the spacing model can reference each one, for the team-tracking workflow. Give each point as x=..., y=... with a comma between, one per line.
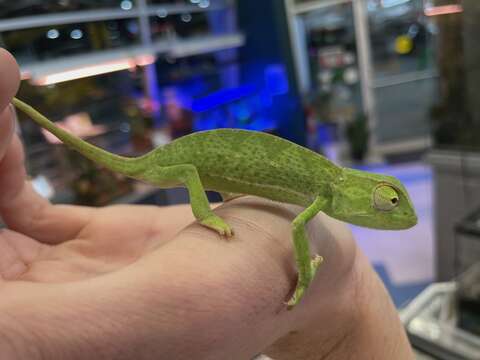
x=120, y=164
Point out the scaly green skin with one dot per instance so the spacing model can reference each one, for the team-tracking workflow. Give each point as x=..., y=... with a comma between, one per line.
x=244, y=162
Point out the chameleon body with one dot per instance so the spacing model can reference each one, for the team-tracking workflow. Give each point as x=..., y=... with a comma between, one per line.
x=233, y=161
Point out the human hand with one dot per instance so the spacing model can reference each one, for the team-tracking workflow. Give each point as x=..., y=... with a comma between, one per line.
x=142, y=282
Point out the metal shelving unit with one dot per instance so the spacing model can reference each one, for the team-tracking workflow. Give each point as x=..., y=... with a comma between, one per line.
x=174, y=47
x=28, y=22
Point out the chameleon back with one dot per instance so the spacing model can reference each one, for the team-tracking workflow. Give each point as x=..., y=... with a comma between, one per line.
x=249, y=162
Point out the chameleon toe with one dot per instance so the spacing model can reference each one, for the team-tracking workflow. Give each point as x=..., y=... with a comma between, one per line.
x=218, y=224
x=296, y=297
x=314, y=264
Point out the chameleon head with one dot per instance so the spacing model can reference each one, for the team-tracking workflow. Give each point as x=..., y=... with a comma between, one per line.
x=372, y=200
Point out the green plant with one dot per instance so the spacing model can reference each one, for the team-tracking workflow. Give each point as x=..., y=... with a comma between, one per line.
x=357, y=134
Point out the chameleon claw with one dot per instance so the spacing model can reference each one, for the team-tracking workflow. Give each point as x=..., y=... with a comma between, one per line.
x=218, y=224
x=302, y=288
x=230, y=232
x=315, y=263
x=297, y=296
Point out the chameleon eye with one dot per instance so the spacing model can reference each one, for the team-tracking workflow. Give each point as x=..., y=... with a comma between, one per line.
x=385, y=198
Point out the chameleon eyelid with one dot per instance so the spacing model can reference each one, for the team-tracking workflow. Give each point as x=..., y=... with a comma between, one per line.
x=396, y=198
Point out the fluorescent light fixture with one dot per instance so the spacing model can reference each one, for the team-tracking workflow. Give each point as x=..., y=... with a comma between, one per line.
x=144, y=60
x=443, y=10
x=92, y=70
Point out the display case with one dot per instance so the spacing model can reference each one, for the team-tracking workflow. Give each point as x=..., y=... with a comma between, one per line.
x=382, y=67
x=122, y=74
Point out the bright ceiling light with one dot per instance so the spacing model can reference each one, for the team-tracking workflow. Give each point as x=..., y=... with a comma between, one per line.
x=53, y=34
x=126, y=5
x=443, y=10
x=92, y=70
x=204, y=4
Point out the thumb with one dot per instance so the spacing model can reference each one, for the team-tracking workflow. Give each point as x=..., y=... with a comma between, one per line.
x=9, y=82
x=9, y=78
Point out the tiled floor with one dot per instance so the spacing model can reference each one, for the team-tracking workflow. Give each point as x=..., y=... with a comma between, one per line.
x=404, y=259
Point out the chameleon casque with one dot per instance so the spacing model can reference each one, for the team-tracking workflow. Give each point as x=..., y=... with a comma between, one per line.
x=240, y=162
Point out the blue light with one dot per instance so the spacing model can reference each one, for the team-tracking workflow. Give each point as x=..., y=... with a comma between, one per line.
x=262, y=124
x=223, y=97
x=243, y=113
x=266, y=99
x=211, y=120
x=276, y=80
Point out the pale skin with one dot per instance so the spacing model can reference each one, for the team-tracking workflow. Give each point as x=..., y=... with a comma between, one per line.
x=81, y=283
x=233, y=162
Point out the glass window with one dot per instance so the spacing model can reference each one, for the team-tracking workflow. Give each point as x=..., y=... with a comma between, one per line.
x=403, y=110
x=401, y=37
x=405, y=83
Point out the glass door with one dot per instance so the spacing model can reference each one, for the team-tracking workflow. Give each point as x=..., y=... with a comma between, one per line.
x=328, y=64
x=324, y=42
x=404, y=75
x=372, y=57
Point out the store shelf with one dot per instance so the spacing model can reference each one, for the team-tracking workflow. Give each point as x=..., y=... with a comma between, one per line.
x=153, y=10
x=206, y=44
x=174, y=48
x=409, y=77
x=84, y=16
x=29, y=22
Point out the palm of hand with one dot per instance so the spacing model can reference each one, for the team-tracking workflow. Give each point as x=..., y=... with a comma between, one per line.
x=111, y=239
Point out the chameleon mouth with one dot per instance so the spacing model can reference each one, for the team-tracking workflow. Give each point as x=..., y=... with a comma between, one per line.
x=410, y=222
x=413, y=220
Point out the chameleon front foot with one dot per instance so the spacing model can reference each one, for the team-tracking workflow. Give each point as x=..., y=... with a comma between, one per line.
x=302, y=286
x=218, y=224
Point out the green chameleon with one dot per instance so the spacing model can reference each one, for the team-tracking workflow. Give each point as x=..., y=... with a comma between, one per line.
x=239, y=162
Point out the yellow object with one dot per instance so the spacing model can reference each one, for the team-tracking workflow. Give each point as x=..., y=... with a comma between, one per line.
x=403, y=45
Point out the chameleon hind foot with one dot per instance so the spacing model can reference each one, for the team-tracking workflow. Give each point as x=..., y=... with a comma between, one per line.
x=303, y=286
x=216, y=223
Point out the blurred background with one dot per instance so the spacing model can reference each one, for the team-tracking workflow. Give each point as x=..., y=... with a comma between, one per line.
x=390, y=86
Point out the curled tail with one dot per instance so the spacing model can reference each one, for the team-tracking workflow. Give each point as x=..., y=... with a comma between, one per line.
x=123, y=165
